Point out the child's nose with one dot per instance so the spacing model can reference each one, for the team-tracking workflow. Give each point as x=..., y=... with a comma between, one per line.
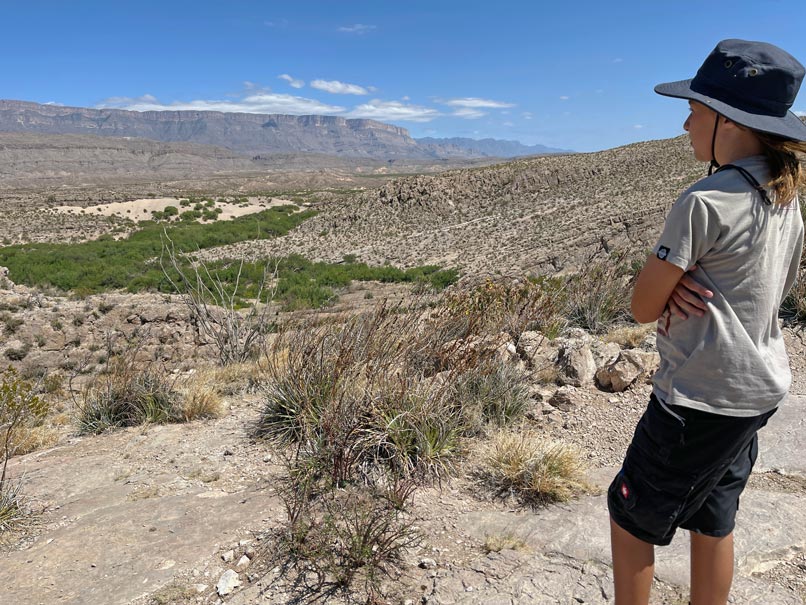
x=685, y=124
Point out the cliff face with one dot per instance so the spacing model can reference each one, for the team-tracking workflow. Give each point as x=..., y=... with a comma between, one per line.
x=241, y=132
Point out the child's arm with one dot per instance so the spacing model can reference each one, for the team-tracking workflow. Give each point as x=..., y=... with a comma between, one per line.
x=653, y=288
x=688, y=297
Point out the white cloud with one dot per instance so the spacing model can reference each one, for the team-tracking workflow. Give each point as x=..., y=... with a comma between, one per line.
x=476, y=103
x=262, y=102
x=358, y=28
x=121, y=101
x=527, y=115
x=564, y=98
x=394, y=111
x=339, y=88
x=55, y=103
x=293, y=82
x=406, y=98
x=508, y=124
x=638, y=126
x=618, y=60
x=800, y=113
x=469, y=113
x=279, y=23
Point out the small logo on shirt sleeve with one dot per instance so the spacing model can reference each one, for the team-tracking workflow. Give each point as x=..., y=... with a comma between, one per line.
x=663, y=252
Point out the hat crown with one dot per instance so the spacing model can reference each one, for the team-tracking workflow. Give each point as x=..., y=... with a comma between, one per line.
x=751, y=76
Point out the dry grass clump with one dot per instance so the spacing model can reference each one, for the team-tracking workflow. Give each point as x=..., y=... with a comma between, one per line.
x=246, y=377
x=36, y=437
x=200, y=399
x=369, y=408
x=535, y=471
x=504, y=541
x=630, y=337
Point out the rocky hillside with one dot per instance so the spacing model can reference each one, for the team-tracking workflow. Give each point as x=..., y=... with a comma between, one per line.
x=539, y=215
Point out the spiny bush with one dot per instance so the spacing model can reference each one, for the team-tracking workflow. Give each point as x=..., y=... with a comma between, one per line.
x=496, y=392
x=511, y=305
x=352, y=395
x=527, y=466
x=380, y=403
x=349, y=539
x=598, y=296
x=128, y=395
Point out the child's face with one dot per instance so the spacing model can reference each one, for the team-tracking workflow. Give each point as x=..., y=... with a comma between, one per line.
x=700, y=127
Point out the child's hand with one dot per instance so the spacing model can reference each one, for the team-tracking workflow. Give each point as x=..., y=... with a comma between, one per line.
x=687, y=297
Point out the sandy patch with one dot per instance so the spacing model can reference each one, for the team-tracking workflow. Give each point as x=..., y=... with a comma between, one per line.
x=139, y=210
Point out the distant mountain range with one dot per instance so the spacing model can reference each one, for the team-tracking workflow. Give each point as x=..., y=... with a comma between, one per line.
x=495, y=148
x=254, y=134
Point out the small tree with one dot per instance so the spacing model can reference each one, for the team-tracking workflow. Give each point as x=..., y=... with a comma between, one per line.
x=19, y=406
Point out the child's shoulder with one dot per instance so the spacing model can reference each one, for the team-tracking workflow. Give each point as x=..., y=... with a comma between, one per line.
x=722, y=186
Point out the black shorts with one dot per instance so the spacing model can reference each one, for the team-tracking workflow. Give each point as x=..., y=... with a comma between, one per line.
x=684, y=468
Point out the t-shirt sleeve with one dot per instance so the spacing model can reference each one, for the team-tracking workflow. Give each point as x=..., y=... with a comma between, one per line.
x=691, y=230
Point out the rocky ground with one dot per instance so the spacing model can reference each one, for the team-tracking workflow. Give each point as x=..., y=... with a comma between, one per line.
x=184, y=513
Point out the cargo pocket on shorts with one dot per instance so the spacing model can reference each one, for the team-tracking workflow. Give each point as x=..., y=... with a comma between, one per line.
x=658, y=493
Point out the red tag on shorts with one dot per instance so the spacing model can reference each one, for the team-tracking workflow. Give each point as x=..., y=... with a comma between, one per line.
x=625, y=491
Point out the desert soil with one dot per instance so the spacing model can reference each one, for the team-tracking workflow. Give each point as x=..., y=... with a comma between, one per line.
x=150, y=514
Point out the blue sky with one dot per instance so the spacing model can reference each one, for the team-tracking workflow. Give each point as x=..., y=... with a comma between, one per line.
x=576, y=75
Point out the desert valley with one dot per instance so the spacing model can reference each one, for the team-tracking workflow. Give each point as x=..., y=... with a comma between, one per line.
x=295, y=359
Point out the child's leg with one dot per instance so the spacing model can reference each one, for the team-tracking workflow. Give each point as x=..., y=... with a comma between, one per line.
x=711, y=569
x=633, y=566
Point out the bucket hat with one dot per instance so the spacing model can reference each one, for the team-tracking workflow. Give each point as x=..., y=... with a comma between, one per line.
x=751, y=83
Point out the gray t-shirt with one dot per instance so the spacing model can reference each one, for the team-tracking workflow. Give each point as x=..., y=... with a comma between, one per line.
x=732, y=360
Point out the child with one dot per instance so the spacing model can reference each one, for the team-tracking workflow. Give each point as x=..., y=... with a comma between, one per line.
x=728, y=254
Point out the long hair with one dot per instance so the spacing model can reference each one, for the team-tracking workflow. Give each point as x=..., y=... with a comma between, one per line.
x=785, y=160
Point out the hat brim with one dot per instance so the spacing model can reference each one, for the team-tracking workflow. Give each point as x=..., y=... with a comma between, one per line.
x=789, y=126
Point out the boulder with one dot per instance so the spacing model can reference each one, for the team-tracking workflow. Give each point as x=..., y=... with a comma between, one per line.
x=604, y=352
x=563, y=398
x=577, y=365
x=625, y=370
x=228, y=582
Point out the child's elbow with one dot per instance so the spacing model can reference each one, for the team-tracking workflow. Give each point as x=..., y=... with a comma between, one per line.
x=642, y=313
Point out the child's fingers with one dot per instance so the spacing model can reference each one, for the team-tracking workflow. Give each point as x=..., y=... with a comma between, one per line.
x=675, y=309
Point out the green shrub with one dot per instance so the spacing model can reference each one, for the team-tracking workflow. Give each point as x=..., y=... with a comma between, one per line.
x=18, y=353
x=11, y=323
x=98, y=266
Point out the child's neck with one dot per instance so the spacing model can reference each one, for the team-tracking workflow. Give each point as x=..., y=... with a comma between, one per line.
x=743, y=145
